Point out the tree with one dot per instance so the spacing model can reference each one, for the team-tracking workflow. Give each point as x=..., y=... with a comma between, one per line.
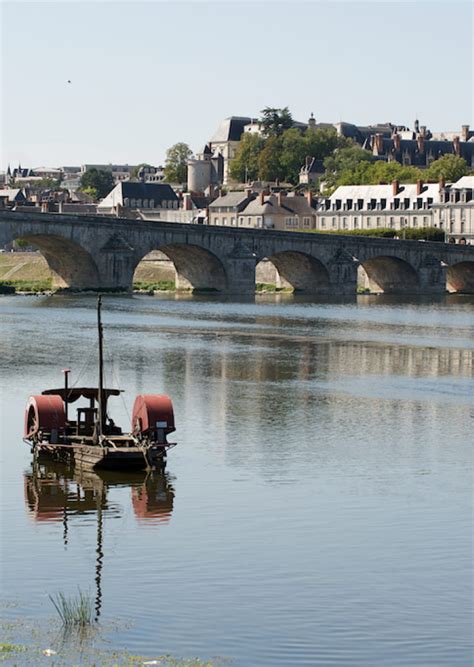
x=269, y=166
x=450, y=167
x=275, y=121
x=97, y=182
x=342, y=164
x=244, y=167
x=176, y=165
x=294, y=149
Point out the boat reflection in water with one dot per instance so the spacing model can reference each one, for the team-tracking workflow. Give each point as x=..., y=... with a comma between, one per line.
x=56, y=492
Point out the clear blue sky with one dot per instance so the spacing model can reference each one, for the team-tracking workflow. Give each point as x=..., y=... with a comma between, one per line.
x=148, y=74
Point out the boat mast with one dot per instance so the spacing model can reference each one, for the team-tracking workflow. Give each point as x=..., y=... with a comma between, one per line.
x=101, y=401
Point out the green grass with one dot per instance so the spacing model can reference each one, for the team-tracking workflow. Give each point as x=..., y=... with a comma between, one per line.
x=75, y=610
x=27, y=285
x=160, y=285
x=271, y=287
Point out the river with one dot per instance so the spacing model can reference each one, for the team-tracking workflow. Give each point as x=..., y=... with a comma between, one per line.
x=316, y=511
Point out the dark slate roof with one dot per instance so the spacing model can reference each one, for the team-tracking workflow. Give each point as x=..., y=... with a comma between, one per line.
x=432, y=147
x=231, y=129
x=157, y=191
x=200, y=201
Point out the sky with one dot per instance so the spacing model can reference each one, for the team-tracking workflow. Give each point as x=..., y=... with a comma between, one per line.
x=145, y=75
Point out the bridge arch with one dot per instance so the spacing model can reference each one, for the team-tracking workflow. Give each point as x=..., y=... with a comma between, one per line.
x=388, y=274
x=195, y=268
x=299, y=271
x=460, y=277
x=70, y=264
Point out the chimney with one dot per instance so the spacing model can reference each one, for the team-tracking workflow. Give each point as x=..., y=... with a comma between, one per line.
x=396, y=141
x=262, y=198
x=248, y=192
x=379, y=143
x=186, y=201
x=423, y=130
x=419, y=187
x=421, y=143
x=309, y=198
x=442, y=183
x=456, y=145
x=395, y=187
x=465, y=132
x=280, y=197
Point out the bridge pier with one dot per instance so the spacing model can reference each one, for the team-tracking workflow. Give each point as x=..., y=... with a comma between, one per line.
x=432, y=276
x=342, y=269
x=115, y=261
x=240, y=266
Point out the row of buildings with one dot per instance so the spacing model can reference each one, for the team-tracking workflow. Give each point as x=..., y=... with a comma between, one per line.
x=448, y=207
x=386, y=141
x=70, y=177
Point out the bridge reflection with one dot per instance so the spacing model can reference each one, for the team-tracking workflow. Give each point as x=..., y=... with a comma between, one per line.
x=59, y=493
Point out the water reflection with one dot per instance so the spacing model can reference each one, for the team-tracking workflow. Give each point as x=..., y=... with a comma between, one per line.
x=56, y=492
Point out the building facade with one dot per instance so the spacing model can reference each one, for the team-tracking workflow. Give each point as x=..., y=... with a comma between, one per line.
x=455, y=210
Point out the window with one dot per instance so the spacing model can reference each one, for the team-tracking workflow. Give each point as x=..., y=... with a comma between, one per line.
x=369, y=222
x=241, y=220
x=249, y=220
x=323, y=222
x=145, y=203
x=291, y=223
x=334, y=223
x=259, y=221
x=133, y=203
x=152, y=203
x=425, y=220
x=392, y=222
x=356, y=223
x=306, y=222
x=126, y=202
x=415, y=221
x=216, y=221
x=232, y=222
x=378, y=222
x=344, y=223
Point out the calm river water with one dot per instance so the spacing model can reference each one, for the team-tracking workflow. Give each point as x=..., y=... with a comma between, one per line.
x=317, y=510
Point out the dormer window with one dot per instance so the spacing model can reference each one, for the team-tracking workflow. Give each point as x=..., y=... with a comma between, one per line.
x=152, y=203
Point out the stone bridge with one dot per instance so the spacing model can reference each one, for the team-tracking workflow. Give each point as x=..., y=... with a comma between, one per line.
x=95, y=252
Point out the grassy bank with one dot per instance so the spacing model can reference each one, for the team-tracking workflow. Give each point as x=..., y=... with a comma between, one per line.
x=154, y=286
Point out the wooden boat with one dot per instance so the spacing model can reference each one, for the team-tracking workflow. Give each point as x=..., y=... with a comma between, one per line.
x=92, y=439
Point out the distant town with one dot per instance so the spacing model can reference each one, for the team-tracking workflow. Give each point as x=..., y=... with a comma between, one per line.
x=274, y=172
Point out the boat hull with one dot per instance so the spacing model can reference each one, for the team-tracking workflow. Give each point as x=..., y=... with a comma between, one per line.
x=108, y=458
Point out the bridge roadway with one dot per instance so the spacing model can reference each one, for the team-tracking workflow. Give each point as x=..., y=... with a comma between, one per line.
x=97, y=252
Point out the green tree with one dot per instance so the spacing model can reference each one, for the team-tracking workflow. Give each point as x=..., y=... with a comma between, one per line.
x=275, y=121
x=97, y=182
x=451, y=167
x=176, y=165
x=244, y=166
x=269, y=166
x=294, y=149
x=341, y=165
